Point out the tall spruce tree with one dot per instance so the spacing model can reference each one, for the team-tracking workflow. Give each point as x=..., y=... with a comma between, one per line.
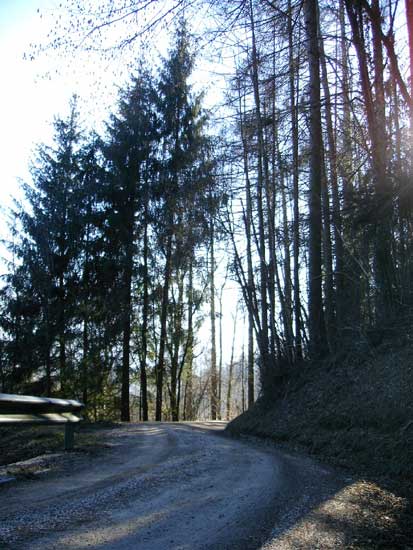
x=45, y=283
x=130, y=155
x=183, y=204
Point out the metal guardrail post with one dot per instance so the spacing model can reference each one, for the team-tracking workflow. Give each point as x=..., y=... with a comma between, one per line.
x=69, y=437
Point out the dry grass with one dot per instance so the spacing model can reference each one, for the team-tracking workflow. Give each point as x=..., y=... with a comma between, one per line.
x=22, y=443
x=360, y=516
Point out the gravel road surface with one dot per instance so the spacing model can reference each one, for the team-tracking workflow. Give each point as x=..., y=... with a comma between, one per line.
x=179, y=486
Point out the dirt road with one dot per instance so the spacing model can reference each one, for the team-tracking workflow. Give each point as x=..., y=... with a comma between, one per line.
x=165, y=486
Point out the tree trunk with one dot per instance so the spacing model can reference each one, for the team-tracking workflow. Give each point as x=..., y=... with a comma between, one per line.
x=126, y=322
x=250, y=290
x=336, y=297
x=349, y=296
x=284, y=295
x=189, y=398
x=145, y=315
x=383, y=258
x=214, y=386
x=48, y=358
x=243, y=380
x=231, y=368
x=220, y=353
x=85, y=362
x=251, y=396
x=160, y=367
x=267, y=366
x=315, y=303
x=62, y=336
x=175, y=347
x=329, y=296
x=296, y=221
x=409, y=20
x=48, y=369
x=375, y=114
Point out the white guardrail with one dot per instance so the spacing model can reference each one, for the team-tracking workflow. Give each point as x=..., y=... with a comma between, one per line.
x=27, y=409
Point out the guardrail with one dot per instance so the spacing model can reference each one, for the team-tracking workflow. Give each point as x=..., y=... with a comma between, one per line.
x=27, y=409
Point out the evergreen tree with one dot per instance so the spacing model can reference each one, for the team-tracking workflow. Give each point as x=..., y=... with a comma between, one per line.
x=186, y=169
x=131, y=164
x=43, y=288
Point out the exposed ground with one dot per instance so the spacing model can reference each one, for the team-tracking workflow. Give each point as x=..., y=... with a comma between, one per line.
x=178, y=486
x=355, y=413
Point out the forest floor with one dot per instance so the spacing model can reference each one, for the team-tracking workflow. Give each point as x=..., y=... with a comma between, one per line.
x=355, y=413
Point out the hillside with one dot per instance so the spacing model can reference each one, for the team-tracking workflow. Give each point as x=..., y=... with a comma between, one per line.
x=357, y=414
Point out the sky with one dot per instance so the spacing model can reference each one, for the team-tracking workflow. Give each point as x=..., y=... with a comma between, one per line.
x=28, y=101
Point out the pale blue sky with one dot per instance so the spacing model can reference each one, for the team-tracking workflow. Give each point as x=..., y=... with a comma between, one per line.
x=13, y=12
x=34, y=92
x=27, y=102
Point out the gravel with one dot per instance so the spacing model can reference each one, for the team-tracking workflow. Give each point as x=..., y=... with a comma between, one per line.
x=170, y=486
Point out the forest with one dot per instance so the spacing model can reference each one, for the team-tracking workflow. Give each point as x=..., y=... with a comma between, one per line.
x=299, y=193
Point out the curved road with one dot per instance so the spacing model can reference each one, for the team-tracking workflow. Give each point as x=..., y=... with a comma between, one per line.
x=165, y=486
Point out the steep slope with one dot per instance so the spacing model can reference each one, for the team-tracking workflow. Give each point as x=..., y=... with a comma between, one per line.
x=356, y=413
